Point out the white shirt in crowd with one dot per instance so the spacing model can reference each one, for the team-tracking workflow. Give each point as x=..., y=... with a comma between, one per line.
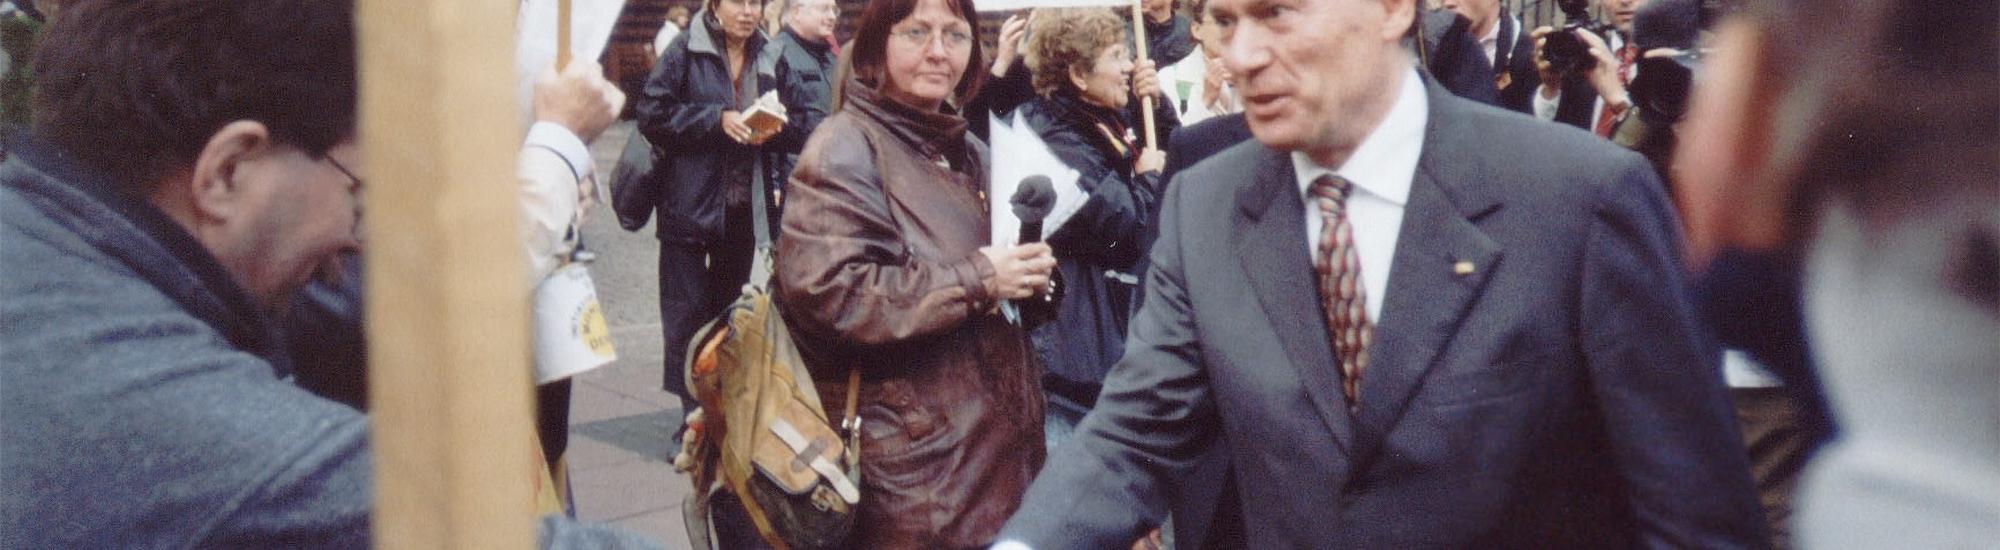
x=1182, y=82
x=668, y=30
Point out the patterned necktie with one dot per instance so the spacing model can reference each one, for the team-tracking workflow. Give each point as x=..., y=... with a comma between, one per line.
x=1340, y=292
x=1606, y=119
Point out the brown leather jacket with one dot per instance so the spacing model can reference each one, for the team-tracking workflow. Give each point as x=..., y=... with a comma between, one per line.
x=878, y=268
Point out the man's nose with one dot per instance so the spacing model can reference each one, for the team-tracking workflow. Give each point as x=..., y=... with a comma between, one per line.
x=1246, y=49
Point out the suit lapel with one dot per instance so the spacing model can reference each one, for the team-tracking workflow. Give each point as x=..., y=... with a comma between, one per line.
x=1441, y=263
x=1272, y=247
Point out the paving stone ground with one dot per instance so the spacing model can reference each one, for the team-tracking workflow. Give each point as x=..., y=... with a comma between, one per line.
x=621, y=421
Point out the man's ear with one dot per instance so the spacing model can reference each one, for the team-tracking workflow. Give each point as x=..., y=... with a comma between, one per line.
x=214, y=187
x=1401, y=14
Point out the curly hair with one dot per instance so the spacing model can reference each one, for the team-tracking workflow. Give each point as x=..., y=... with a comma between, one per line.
x=1066, y=41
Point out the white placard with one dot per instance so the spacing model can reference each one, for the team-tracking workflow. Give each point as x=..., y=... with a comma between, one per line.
x=1018, y=152
x=571, y=336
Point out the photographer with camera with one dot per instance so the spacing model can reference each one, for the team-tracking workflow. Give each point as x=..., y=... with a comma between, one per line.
x=1586, y=66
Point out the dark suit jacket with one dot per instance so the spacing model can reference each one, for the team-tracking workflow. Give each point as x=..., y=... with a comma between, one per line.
x=1192, y=144
x=1554, y=395
x=1516, y=59
x=1453, y=56
x=1202, y=510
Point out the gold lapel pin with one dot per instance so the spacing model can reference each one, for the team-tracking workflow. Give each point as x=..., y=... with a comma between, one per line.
x=1462, y=268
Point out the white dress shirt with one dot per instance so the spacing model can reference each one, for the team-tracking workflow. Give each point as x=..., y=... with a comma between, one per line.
x=1491, y=44
x=1381, y=169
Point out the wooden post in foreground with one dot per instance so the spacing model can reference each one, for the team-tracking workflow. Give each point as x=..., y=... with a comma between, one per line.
x=447, y=309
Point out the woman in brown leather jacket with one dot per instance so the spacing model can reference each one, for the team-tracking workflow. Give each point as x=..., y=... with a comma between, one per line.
x=883, y=266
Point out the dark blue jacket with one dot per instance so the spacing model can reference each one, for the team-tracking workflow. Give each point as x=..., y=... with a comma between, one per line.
x=681, y=113
x=1106, y=236
x=802, y=72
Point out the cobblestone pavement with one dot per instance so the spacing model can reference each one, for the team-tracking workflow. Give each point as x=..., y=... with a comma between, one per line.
x=621, y=421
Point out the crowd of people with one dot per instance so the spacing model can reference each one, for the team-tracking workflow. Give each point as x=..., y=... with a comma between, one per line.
x=1340, y=273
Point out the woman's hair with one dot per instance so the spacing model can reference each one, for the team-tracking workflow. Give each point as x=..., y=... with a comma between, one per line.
x=1887, y=102
x=136, y=87
x=1067, y=41
x=869, y=51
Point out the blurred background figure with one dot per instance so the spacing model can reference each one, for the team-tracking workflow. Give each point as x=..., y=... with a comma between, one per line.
x=1867, y=152
x=883, y=266
x=1508, y=48
x=798, y=64
x=1085, y=80
x=1198, y=86
x=1584, y=70
x=21, y=23
x=691, y=111
x=677, y=20
x=1168, y=32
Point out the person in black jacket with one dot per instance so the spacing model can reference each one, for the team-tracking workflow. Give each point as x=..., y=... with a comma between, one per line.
x=1508, y=49
x=798, y=63
x=1085, y=80
x=692, y=113
x=1169, y=35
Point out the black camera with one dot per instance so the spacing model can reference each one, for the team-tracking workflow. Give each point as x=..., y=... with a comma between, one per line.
x=1564, y=51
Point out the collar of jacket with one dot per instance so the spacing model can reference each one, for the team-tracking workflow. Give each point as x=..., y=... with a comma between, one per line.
x=705, y=36
x=818, y=48
x=936, y=133
x=187, y=271
x=1091, y=120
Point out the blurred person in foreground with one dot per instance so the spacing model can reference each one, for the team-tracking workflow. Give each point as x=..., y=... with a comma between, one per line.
x=883, y=266
x=166, y=207
x=1815, y=145
x=1405, y=331
x=1085, y=78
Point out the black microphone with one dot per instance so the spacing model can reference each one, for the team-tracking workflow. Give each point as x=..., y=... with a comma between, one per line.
x=1032, y=202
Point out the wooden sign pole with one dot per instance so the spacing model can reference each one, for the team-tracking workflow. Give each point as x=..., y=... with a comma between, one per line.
x=1145, y=103
x=562, y=34
x=446, y=308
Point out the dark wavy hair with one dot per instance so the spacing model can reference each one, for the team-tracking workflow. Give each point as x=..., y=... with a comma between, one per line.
x=870, y=49
x=137, y=87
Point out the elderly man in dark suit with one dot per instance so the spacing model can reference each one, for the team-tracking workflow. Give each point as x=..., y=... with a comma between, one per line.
x=1406, y=331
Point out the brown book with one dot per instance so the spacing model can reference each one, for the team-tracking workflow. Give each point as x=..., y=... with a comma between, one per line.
x=766, y=117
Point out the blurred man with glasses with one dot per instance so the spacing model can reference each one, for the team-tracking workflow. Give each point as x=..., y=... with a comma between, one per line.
x=798, y=64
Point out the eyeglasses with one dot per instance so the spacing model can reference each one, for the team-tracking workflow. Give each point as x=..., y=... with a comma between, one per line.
x=345, y=172
x=921, y=36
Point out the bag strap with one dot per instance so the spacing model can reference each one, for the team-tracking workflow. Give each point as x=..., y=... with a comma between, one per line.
x=850, y=421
